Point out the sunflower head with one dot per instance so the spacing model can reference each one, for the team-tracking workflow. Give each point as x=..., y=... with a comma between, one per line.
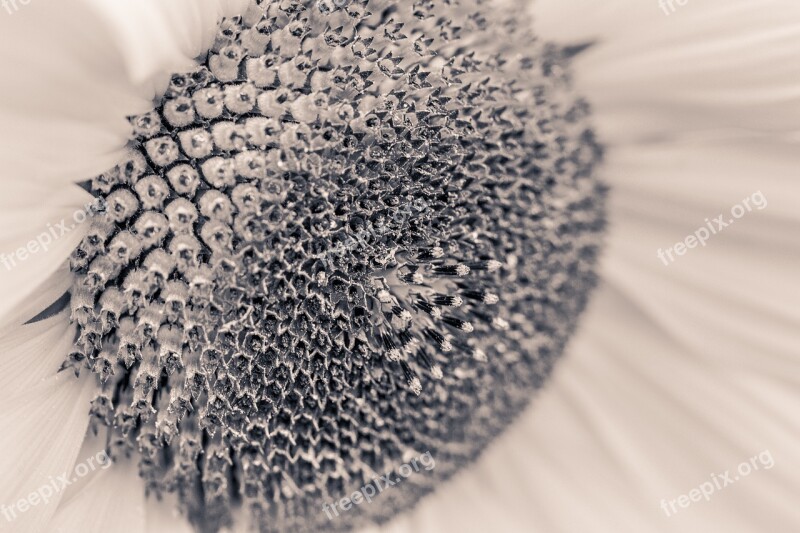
x=357, y=232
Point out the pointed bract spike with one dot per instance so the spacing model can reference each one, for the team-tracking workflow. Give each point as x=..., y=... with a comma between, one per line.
x=447, y=300
x=451, y=270
x=457, y=323
x=481, y=296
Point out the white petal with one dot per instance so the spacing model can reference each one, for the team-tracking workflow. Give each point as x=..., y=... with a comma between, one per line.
x=32, y=353
x=157, y=36
x=42, y=432
x=111, y=499
x=63, y=111
x=710, y=65
x=37, y=237
x=53, y=288
x=43, y=415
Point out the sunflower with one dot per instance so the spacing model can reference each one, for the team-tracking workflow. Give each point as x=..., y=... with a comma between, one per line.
x=260, y=256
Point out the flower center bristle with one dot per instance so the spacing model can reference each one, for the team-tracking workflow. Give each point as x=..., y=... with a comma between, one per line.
x=358, y=231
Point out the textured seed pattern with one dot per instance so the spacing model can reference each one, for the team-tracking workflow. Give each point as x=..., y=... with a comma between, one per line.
x=359, y=231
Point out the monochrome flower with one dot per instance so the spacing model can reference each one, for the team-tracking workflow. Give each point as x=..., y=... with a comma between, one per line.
x=328, y=236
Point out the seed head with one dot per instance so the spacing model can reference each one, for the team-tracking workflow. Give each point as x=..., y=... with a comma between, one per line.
x=341, y=240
